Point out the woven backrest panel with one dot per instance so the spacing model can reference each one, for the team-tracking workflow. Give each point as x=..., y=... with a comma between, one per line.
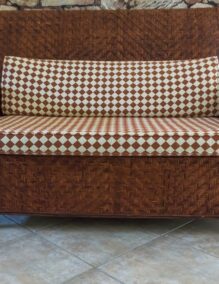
x=110, y=35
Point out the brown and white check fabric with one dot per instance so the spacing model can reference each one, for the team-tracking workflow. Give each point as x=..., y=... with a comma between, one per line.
x=118, y=88
x=109, y=136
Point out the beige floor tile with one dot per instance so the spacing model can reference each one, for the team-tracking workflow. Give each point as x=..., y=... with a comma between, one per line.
x=10, y=231
x=162, y=226
x=58, y=267
x=132, y=251
x=35, y=223
x=92, y=277
x=20, y=277
x=96, y=242
x=38, y=258
x=202, y=234
x=127, y=229
x=165, y=260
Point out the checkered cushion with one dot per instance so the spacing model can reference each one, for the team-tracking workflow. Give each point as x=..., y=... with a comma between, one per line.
x=92, y=88
x=104, y=136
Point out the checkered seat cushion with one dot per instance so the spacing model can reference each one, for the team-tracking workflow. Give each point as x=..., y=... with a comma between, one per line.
x=109, y=136
x=122, y=88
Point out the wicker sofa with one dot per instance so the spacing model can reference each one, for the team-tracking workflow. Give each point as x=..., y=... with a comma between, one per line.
x=109, y=185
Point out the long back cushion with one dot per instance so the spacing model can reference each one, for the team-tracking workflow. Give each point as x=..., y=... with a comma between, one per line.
x=110, y=88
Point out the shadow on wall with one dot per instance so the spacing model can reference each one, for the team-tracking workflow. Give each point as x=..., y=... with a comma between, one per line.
x=104, y=4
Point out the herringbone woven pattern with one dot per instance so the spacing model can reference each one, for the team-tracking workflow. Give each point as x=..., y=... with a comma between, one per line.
x=113, y=186
x=110, y=35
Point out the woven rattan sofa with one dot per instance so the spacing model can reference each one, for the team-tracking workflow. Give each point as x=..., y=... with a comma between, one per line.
x=109, y=185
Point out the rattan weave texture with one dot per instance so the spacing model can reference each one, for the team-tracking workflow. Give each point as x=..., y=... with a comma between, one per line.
x=110, y=186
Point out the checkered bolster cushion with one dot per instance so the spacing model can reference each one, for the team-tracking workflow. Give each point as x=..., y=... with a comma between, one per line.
x=109, y=136
x=117, y=88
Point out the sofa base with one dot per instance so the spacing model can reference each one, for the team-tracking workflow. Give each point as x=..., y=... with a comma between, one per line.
x=136, y=187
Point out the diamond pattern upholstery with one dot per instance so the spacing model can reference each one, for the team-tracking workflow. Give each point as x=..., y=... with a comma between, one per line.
x=110, y=88
x=109, y=136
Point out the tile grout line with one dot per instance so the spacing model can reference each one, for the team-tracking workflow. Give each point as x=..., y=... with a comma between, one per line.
x=54, y=244
x=178, y=227
x=88, y=263
x=97, y=269
x=111, y=259
x=92, y=265
x=203, y=251
x=194, y=247
x=78, y=275
x=61, y=248
x=146, y=243
x=127, y=251
x=109, y=275
x=181, y=238
x=78, y=257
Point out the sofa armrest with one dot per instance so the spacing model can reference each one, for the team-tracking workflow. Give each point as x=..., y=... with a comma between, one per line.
x=1, y=114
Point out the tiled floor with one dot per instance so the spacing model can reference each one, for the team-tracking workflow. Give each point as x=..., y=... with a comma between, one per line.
x=91, y=251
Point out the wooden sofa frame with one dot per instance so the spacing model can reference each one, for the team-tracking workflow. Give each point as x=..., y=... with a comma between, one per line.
x=110, y=186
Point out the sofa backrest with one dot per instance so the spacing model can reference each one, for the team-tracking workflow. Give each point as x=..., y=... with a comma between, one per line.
x=110, y=35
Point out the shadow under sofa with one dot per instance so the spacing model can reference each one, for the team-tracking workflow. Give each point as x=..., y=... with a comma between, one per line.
x=110, y=186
